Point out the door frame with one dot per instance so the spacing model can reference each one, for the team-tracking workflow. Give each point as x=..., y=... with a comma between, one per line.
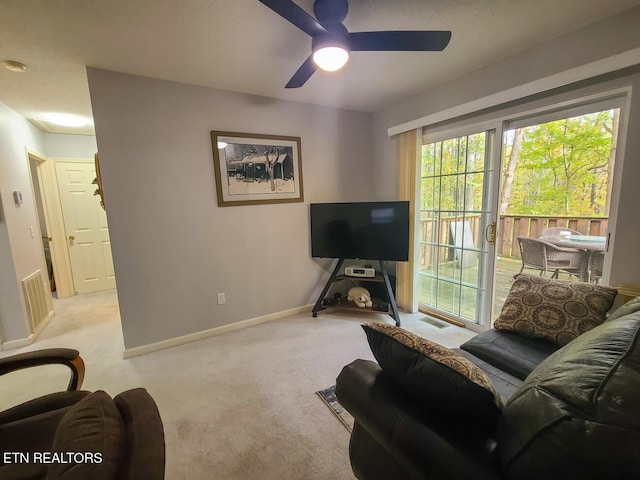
x=52, y=208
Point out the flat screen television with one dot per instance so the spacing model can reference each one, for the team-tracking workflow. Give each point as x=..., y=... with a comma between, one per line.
x=363, y=230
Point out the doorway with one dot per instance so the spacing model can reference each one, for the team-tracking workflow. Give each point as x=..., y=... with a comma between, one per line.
x=86, y=229
x=37, y=188
x=70, y=215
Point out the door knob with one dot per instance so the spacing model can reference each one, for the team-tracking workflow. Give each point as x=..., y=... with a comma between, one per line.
x=71, y=238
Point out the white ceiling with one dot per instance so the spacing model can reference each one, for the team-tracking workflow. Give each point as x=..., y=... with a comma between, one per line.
x=242, y=45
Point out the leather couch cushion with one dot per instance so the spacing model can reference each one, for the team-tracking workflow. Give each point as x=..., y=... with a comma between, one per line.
x=577, y=415
x=505, y=383
x=559, y=311
x=631, y=306
x=439, y=377
x=93, y=428
x=510, y=351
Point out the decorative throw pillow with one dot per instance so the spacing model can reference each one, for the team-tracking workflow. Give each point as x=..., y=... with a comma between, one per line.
x=90, y=441
x=439, y=377
x=558, y=311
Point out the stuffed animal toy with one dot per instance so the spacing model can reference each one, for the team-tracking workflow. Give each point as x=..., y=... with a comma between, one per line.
x=360, y=296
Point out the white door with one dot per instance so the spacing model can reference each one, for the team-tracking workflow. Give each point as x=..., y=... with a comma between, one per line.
x=85, y=223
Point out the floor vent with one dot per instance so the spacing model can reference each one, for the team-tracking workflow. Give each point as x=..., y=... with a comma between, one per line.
x=435, y=323
x=38, y=300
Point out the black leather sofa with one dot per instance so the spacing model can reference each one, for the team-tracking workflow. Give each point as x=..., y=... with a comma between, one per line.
x=571, y=412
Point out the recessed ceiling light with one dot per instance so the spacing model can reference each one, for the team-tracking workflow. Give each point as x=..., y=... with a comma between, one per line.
x=14, y=66
x=66, y=120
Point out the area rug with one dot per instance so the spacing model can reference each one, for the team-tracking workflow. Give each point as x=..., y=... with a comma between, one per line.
x=328, y=395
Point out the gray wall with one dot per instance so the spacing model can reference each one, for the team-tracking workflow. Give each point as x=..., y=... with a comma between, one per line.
x=596, y=42
x=173, y=247
x=60, y=145
x=20, y=254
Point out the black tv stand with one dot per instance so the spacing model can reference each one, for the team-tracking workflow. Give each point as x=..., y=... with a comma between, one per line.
x=345, y=305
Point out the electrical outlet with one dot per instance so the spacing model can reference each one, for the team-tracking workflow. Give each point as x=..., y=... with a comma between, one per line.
x=221, y=298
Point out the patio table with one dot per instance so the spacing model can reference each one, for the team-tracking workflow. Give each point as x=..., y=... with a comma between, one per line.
x=589, y=244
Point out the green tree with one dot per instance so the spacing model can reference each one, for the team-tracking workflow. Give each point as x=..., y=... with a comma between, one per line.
x=563, y=167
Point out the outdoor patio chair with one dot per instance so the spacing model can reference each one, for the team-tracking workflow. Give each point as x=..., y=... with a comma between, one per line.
x=596, y=263
x=540, y=255
x=557, y=231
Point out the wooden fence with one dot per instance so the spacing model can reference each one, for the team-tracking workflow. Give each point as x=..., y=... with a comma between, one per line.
x=510, y=227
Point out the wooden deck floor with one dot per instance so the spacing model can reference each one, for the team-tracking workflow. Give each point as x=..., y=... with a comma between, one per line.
x=449, y=297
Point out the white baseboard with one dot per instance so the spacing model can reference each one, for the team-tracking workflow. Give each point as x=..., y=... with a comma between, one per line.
x=192, y=337
x=13, y=344
x=24, y=342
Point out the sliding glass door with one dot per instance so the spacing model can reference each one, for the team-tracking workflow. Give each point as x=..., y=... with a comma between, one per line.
x=482, y=187
x=456, y=227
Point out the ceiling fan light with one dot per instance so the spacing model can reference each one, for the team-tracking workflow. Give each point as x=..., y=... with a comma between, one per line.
x=330, y=58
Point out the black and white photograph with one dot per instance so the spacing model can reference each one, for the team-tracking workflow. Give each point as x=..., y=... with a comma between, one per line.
x=253, y=168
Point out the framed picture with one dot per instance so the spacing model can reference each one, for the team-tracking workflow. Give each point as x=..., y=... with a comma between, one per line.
x=252, y=169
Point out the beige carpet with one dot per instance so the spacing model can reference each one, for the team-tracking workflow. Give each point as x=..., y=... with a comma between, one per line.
x=237, y=406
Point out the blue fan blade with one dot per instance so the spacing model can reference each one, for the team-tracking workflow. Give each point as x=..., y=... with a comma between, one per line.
x=303, y=74
x=296, y=15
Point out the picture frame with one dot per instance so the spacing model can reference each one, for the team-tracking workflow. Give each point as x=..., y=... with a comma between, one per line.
x=254, y=169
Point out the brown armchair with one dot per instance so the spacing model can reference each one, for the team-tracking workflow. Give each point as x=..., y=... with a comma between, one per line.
x=541, y=255
x=63, y=356
x=74, y=434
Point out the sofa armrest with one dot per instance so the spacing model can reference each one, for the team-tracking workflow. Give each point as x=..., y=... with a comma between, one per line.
x=424, y=443
x=145, y=443
x=63, y=356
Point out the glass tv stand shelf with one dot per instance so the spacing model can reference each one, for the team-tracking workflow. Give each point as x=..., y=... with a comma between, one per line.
x=381, y=277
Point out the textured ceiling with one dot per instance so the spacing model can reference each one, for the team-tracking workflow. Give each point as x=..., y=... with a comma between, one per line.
x=243, y=46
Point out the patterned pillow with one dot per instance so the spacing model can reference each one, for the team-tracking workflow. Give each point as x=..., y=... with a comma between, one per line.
x=439, y=377
x=558, y=311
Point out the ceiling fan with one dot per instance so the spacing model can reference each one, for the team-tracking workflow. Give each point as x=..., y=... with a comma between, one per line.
x=331, y=42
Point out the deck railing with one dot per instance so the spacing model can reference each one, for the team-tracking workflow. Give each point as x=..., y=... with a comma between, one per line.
x=510, y=227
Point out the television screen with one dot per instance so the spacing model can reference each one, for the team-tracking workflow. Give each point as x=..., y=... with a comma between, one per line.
x=364, y=230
